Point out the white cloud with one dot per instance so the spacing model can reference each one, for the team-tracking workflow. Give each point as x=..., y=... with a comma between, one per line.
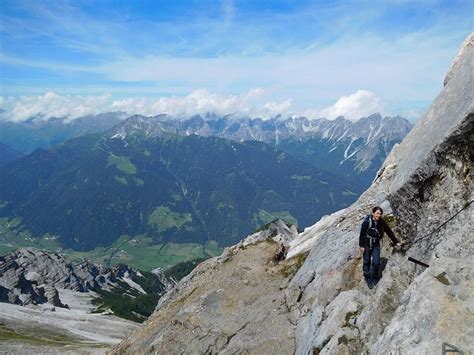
x=202, y=101
x=408, y=67
x=199, y=101
x=256, y=102
x=51, y=105
x=359, y=104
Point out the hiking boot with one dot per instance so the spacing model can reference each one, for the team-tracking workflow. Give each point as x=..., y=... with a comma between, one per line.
x=370, y=283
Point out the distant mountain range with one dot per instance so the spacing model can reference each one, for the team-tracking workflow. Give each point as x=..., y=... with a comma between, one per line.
x=39, y=132
x=137, y=179
x=353, y=150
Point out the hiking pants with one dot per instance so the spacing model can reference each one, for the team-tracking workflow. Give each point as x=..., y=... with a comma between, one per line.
x=372, y=261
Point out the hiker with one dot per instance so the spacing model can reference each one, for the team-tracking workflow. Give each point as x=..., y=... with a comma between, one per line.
x=371, y=232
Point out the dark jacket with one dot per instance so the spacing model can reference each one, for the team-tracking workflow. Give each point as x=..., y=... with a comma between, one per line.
x=382, y=228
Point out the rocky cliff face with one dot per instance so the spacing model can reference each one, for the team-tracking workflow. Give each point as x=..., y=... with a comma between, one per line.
x=248, y=302
x=31, y=276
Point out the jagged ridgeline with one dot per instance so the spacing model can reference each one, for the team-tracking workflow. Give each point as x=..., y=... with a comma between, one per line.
x=353, y=150
x=143, y=185
x=30, y=276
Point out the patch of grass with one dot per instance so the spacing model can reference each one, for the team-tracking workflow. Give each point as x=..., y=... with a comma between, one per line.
x=300, y=259
x=348, y=193
x=7, y=334
x=162, y=218
x=183, y=250
x=288, y=271
x=13, y=235
x=4, y=249
x=223, y=205
x=139, y=182
x=391, y=221
x=122, y=163
x=301, y=178
x=294, y=264
x=281, y=157
x=49, y=242
x=121, y=180
x=266, y=217
x=349, y=316
x=212, y=248
x=138, y=251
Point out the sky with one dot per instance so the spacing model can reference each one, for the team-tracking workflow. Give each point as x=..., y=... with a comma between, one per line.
x=261, y=58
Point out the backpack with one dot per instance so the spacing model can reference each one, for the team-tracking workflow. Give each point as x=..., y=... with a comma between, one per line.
x=372, y=231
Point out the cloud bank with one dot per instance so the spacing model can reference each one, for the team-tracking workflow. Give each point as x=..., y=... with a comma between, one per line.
x=253, y=103
x=50, y=105
x=305, y=54
x=361, y=103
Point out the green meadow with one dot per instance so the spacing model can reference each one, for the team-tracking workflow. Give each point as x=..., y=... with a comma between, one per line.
x=137, y=251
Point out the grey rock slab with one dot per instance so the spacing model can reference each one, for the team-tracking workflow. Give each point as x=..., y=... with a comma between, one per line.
x=451, y=106
x=434, y=312
x=217, y=309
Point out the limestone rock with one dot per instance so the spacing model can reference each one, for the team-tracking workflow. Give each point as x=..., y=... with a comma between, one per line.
x=441, y=313
x=32, y=276
x=426, y=184
x=226, y=305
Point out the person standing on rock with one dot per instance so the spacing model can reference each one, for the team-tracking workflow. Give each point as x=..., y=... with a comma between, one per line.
x=371, y=232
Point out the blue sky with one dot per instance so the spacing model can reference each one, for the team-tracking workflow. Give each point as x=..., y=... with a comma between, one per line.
x=260, y=57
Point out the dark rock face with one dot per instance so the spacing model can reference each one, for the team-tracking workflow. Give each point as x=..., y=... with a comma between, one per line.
x=52, y=296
